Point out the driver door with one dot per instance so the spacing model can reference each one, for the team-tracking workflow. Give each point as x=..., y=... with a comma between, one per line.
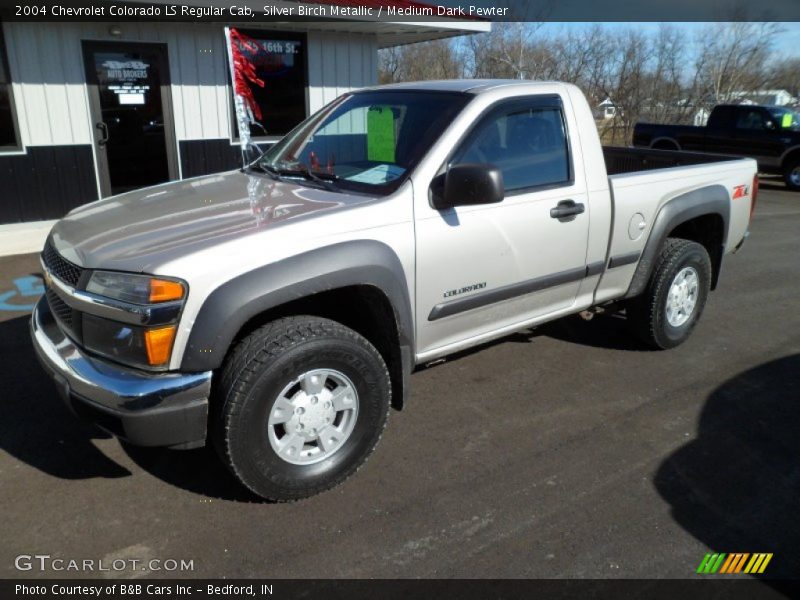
x=482, y=268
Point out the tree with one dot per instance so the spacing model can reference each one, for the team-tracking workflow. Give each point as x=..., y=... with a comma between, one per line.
x=732, y=58
x=662, y=76
x=785, y=75
x=436, y=59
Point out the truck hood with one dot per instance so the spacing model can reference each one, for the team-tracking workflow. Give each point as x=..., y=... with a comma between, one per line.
x=138, y=230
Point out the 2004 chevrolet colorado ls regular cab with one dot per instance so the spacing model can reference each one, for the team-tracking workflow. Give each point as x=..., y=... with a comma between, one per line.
x=280, y=310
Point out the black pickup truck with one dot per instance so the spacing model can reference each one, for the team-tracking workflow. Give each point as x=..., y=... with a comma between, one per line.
x=769, y=134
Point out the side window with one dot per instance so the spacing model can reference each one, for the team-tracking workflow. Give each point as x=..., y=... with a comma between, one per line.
x=751, y=119
x=529, y=145
x=8, y=128
x=722, y=117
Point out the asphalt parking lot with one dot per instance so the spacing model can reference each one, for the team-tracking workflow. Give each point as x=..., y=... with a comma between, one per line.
x=567, y=451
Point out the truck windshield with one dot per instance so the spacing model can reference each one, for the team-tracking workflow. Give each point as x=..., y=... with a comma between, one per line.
x=785, y=118
x=364, y=142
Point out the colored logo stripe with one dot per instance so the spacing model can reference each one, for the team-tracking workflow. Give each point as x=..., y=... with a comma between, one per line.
x=758, y=563
x=710, y=563
x=734, y=563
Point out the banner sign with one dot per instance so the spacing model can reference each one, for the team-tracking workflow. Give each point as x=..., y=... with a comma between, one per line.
x=243, y=73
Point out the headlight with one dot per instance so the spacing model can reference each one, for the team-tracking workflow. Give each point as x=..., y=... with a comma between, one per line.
x=142, y=345
x=137, y=289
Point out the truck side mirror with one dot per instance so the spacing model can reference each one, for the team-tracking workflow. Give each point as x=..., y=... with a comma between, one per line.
x=467, y=184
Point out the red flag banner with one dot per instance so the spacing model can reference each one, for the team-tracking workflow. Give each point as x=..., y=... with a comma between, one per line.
x=244, y=71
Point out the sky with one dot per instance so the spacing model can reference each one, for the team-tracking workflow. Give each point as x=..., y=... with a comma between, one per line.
x=786, y=42
x=638, y=11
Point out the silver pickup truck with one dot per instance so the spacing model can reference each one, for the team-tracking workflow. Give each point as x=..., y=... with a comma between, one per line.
x=279, y=311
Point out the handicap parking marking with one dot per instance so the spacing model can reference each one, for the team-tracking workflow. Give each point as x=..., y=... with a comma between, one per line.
x=30, y=286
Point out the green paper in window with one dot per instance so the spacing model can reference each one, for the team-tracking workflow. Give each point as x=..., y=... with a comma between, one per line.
x=786, y=123
x=380, y=134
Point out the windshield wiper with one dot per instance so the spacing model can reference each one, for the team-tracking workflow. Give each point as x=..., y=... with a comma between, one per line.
x=326, y=180
x=264, y=168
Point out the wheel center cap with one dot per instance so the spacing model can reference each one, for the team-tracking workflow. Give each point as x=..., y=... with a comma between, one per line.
x=312, y=413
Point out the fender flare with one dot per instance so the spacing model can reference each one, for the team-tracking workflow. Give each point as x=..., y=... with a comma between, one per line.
x=713, y=199
x=664, y=138
x=230, y=306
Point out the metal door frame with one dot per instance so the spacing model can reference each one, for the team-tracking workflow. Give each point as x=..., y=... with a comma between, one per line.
x=88, y=47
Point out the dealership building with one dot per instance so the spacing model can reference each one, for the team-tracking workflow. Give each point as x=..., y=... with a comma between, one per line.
x=90, y=109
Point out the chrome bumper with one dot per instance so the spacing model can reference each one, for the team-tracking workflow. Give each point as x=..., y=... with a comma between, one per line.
x=164, y=409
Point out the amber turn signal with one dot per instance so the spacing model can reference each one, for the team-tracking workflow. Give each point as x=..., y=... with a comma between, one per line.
x=162, y=290
x=159, y=344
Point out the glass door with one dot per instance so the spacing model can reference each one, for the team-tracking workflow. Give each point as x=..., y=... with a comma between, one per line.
x=131, y=114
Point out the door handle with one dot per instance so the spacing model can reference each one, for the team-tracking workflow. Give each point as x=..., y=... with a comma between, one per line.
x=104, y=129
x=566, y=208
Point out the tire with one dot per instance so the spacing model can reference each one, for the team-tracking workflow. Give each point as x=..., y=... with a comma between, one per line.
x=791, y=174
x=659, y=324
x=261, y=383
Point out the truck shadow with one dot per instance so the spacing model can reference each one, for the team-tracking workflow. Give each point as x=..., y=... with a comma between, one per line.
x=777, y=186
x=198, y=471
x=735, y=486
x=771, y=182
x=608, y=331
x=36, y=427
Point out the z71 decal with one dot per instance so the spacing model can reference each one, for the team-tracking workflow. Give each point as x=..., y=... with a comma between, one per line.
x=740, y=191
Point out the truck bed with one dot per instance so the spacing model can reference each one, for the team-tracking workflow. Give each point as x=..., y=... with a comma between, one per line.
x=629, y=160
x=642, y=181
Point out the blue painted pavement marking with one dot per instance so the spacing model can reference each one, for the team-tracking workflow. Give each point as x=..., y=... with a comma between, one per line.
x=26, y=287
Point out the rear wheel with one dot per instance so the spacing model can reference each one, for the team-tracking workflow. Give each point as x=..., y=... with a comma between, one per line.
x=791, y=174
x=301, y=404
x=669, y=308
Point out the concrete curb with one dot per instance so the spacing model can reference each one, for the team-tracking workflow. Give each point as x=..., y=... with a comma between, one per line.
x=24, y=238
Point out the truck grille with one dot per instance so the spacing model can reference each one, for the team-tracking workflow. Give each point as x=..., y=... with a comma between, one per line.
x=59, y=308
x=60, y=267
x=64, y=315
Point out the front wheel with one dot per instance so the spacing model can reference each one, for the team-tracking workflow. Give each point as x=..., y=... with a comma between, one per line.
x=301, y=404
x=669, y=308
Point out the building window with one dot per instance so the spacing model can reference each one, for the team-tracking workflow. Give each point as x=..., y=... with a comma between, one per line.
x=9, y=136
x=281, y=63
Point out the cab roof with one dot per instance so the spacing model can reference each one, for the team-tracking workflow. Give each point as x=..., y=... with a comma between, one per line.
x=470, y=86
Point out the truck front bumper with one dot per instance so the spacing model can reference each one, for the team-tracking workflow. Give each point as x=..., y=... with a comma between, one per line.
x=158, y=409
